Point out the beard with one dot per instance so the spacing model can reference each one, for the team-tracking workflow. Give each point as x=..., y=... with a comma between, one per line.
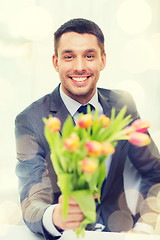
x=81, y=96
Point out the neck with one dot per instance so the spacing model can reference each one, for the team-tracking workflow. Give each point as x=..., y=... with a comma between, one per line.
x=82, y=99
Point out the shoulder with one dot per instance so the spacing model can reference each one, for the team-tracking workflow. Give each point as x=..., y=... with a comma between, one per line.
x=39, y=108
x=114, y=94
x=118, y=99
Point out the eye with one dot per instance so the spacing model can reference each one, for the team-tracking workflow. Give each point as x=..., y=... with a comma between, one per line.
x=68, y=57
x=90, y=57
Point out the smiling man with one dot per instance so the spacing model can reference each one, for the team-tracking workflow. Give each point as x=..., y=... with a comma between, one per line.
x=79, y=58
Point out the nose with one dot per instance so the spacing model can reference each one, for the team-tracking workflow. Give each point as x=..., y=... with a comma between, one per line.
x=79, y=65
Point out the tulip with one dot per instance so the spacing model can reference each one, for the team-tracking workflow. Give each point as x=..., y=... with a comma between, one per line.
x=88, y=165
x=139, y=139
x=53, y=124
x=85, y=121
x=94, y=148
x=107, y=148
x=105, y=121
x=129, y=130
x=71, y=143
x=141, y=125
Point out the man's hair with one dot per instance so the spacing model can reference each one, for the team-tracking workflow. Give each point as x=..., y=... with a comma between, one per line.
x=79, y=25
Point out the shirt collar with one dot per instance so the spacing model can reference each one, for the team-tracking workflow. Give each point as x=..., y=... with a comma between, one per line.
x=73, y=105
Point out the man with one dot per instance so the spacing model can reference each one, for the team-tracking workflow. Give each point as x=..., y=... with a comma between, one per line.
x=79, y=57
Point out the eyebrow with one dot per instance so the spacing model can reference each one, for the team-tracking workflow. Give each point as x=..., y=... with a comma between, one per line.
x=86, y=51
x=90, y=50
x=67, y=51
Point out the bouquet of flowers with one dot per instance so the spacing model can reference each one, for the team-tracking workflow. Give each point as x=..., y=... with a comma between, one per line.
x=78, y=154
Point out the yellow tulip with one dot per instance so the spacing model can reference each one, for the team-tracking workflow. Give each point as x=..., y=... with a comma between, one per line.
x=104, y=120
x=107, y=148
x=85, y=121
x=93, y=148
x=53, y=124
x=71, y=143
x=88, y=165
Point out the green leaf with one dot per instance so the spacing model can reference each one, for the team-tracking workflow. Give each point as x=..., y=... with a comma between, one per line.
x=85, y=200
x=87, y=204
x=65, y=184
x=50, y=137
x=88, y=109
x=92, y=179
x=81, y=230
x=101, y=177
x=96, y=126
x=116, y=125
x=68, y=127
x=82, y=184
x=56, y=163
x=113, y=113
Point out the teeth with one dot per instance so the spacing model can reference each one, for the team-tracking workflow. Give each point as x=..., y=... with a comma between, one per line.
x=79, y=79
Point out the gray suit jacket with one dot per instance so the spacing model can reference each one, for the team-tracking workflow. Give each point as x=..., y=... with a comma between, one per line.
x=37, y=179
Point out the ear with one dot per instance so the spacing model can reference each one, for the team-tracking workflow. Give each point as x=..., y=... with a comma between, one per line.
x=55, y=62
x=103, y=58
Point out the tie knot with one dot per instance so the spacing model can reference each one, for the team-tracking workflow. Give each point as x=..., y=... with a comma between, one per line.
x=83, y=108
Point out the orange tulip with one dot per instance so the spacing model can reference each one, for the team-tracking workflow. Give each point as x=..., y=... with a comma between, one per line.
x=104, y=120
x=141, y=125
x=139, y=139
x=53, y=124
x=71, y=143
x=88, y=165
x=107, y=148
x=94, y=148
x=85, y=121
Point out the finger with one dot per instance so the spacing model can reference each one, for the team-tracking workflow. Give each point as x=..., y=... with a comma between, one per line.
x=71, y=200
x=70, y=225
x=60, y=199
x=74, y=217
x=74, y=209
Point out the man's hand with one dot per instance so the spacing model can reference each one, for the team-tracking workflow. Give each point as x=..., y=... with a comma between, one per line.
x=74, y=217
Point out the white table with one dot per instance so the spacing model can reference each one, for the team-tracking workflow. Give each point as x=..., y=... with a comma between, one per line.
x=21, y=232
x=17, y=232
x=69, y=235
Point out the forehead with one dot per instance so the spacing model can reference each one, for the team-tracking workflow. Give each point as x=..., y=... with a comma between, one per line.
x=77, y=42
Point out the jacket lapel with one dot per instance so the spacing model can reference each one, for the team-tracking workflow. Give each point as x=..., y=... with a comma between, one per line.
x=57, y=107
x=106, y=102
x=113, y=171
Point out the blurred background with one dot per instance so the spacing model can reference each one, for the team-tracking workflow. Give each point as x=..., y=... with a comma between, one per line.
x=132, y=42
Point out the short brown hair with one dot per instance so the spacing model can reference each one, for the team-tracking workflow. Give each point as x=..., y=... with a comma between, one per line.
x=79, y=25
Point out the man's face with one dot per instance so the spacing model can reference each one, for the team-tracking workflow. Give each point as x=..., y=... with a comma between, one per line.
x=79, y=63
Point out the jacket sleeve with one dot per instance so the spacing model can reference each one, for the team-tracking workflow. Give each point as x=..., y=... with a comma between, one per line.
x=147, y=162
x=35, y=188
x=145, y=159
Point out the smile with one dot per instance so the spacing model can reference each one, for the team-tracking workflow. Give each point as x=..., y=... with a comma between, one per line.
x=79, y=79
